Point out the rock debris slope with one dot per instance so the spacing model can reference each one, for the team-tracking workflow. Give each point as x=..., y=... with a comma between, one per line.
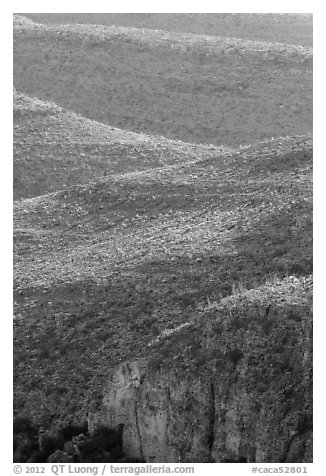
x=54, y=148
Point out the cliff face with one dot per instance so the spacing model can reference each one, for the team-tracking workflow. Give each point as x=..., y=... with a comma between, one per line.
x=234, y=386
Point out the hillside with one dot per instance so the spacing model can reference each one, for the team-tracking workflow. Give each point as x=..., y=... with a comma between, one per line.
x=115, y=263
x=54, y=149
x=162, y=238
x=287, y=28
x=195, y=88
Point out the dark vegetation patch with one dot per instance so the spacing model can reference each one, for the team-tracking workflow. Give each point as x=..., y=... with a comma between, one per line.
x=68, y=443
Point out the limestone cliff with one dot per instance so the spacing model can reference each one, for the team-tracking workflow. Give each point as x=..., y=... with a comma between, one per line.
x=234, y=386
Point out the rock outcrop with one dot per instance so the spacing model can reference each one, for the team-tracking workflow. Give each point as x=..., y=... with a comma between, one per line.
x=234, y=386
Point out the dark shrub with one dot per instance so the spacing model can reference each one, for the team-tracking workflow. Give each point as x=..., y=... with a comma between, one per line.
x=34, y=446
x=105, y=445
x=155, y=362
x=25, y=438
x=266, y=325
x=49, y=443
x=72, y=429
x=305, y=423
x=237, y=323
x=238, y=460
x=106, y=438
x=235, y=355
x=25, y=449
x=36, y=457
x=23, y=425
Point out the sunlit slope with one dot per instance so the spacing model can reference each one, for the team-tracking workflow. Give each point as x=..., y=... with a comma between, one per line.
x=55, y=149
x=194, y=88
x=183, y=204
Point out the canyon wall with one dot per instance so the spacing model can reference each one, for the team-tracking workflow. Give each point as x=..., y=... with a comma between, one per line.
x=234, y=386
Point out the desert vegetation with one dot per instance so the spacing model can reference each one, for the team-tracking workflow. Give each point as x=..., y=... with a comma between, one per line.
x=162, y=214
x=69, y=443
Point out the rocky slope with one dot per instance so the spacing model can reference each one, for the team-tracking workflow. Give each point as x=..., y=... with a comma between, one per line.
x=55, y=149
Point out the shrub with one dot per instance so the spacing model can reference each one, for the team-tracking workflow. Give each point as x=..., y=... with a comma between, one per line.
x=104, y=335
x=36, y=457
x=305, y=423
x=25, y=449
x=105, y=445
x=277, y=348
x=155, y=362
x=49, y=443
x=237, y=323
x=24, y=425
x=32, y=446
x=235, y=355
x=187, y=300
x=241, y=459
x=266, y=325
x=44, y=351
x=282, y=365
x=294, y=316
x=25, y=438
x=71, y=429
x=106, y=438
